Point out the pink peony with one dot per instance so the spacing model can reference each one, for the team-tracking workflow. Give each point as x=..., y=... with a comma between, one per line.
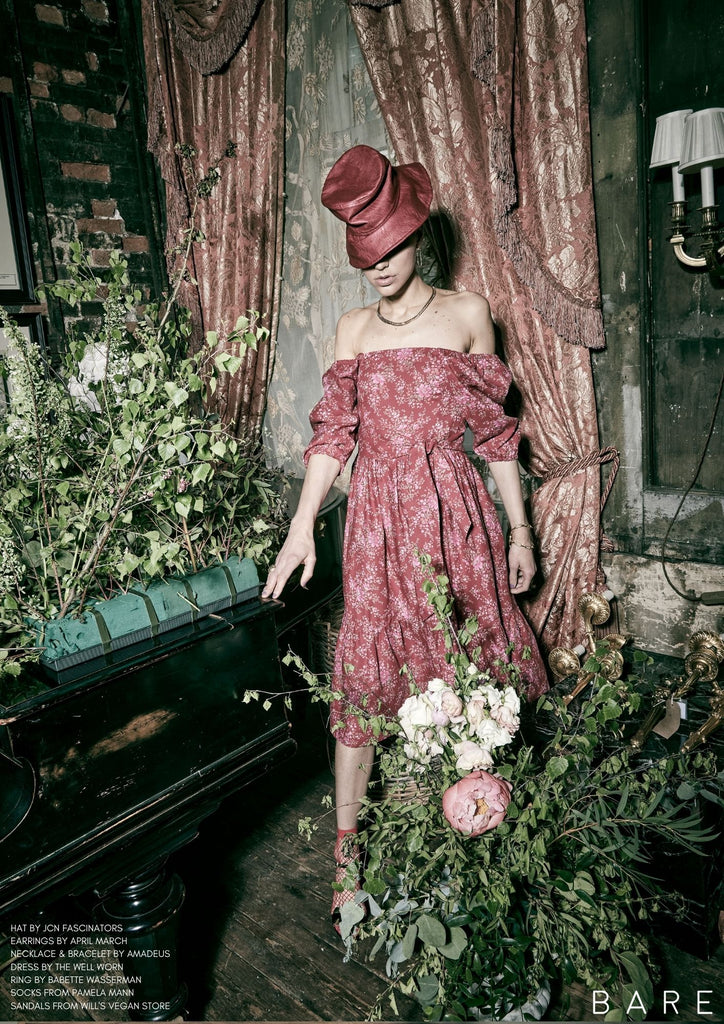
x=476, y=803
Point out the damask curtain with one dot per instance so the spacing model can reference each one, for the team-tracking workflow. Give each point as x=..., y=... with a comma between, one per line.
x=215, y=71
x=492, y=98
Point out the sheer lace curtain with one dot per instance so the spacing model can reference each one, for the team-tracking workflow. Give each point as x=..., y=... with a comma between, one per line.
x=215, y=71
x=491, y=97
x=330, y=106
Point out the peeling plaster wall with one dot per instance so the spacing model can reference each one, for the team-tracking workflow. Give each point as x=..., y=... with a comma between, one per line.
x=639, y=510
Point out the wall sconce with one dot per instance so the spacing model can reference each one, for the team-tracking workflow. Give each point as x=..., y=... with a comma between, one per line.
x=689, y=142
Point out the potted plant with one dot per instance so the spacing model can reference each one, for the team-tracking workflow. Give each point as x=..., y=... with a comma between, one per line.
x=113, y=473
x=507, y=849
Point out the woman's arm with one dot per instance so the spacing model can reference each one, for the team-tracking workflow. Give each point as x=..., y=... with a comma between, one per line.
x=322, y=471
x=298, y=548
x=521, y=560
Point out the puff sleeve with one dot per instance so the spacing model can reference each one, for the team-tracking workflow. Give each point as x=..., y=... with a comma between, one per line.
x=496, y=435
x=334, y=418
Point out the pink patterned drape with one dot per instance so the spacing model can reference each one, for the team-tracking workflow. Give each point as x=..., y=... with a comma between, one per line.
x=492, y=98
x=237, y=267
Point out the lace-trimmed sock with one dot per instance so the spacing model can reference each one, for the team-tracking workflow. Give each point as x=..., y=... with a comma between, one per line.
x=347, y=874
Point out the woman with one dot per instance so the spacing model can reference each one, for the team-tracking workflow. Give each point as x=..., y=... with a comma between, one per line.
x=411, y=372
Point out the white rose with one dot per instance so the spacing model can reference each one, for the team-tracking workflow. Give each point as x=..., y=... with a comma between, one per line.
x=471, y=756
x=476, y=708
x=415, y=714
x=492, y=694
x=431, y=742
x=490, y=734
x=450, y=703
x=92, y=366
x=506, y=718
x=83, y=394
x=436, y=685
x=511, y=699
x=440, y=718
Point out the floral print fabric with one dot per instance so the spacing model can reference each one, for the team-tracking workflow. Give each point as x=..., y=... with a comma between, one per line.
x=414, y=490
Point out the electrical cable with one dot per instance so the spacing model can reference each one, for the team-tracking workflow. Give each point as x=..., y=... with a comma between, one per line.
x=688, y=597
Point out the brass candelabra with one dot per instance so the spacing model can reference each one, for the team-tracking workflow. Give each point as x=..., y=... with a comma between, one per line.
x=711, y=251
x=565, y=662
x=701, y=665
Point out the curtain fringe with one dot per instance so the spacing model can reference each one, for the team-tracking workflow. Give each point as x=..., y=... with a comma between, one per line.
x=577, y=321
x=209, y=51
x=482, y=46
x=378, y=4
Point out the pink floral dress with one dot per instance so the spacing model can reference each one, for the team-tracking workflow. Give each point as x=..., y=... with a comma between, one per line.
x=414, y=489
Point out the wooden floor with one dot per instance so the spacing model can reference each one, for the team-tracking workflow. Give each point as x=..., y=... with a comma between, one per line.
x=256, y=943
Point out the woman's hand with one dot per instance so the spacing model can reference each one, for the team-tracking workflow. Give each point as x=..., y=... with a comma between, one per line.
x=521, y=568
x=298, y=549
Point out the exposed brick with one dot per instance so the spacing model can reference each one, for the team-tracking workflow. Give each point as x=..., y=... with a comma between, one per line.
x=100, y=120
x=71, y=77
x=135, y=243
x=101, y=225
x=96, y=10
x=6, y=84
x=44, y=72
x=71, y=113
x=39, y=89
x=48, y=14
x=103, y=207
x=86, y=172
x=41, y=105
x=100, y=257
x=92, y=60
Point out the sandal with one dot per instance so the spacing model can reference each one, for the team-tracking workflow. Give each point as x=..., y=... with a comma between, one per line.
x=347, y=875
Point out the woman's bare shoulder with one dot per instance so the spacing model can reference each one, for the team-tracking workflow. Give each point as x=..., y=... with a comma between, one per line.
x=471, y=313
x=350, y=329
x=467, y=303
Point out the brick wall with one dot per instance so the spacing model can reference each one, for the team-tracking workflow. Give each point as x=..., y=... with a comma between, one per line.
x=76, y=78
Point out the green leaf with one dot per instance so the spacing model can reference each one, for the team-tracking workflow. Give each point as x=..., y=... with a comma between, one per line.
x=457, y=945
x=408, y=942
x=427, y=989
x=556, y=767
x=200, y=472
x=177, y=395
x=121, y=446
x=431, y=931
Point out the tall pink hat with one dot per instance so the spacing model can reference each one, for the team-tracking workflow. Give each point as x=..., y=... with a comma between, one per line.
x=381, y=205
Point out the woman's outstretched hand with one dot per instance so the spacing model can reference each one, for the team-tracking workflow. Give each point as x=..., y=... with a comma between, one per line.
x=521, y=568
x=298, y=549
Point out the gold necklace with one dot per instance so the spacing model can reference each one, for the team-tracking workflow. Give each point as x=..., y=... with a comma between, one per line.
x=404, y=323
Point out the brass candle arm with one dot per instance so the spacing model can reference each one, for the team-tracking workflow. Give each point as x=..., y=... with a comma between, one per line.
x=713, y=722
x=662, y=696
x=712, y=255
x=611, y=669
x=701, y=665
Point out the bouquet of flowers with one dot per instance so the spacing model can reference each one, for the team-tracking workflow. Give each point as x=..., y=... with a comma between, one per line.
x=510, y=859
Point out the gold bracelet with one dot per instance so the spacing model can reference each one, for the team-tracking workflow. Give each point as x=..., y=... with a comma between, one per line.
x=521, y=526
x=528, y=547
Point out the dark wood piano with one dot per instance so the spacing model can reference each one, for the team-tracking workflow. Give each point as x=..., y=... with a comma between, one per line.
x=102, y=779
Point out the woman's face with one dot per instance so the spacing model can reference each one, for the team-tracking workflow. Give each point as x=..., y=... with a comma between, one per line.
x=393, y=272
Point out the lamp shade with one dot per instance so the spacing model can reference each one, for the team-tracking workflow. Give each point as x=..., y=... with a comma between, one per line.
x=667, y=138
x=703, y=142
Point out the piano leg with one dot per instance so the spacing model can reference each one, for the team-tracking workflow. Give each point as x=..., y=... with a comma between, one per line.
x=147, y=909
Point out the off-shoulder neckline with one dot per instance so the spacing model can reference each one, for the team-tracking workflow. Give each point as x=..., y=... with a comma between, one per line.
x=418, y=348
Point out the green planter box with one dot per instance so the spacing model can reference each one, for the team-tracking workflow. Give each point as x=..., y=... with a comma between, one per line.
x=127, y=627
